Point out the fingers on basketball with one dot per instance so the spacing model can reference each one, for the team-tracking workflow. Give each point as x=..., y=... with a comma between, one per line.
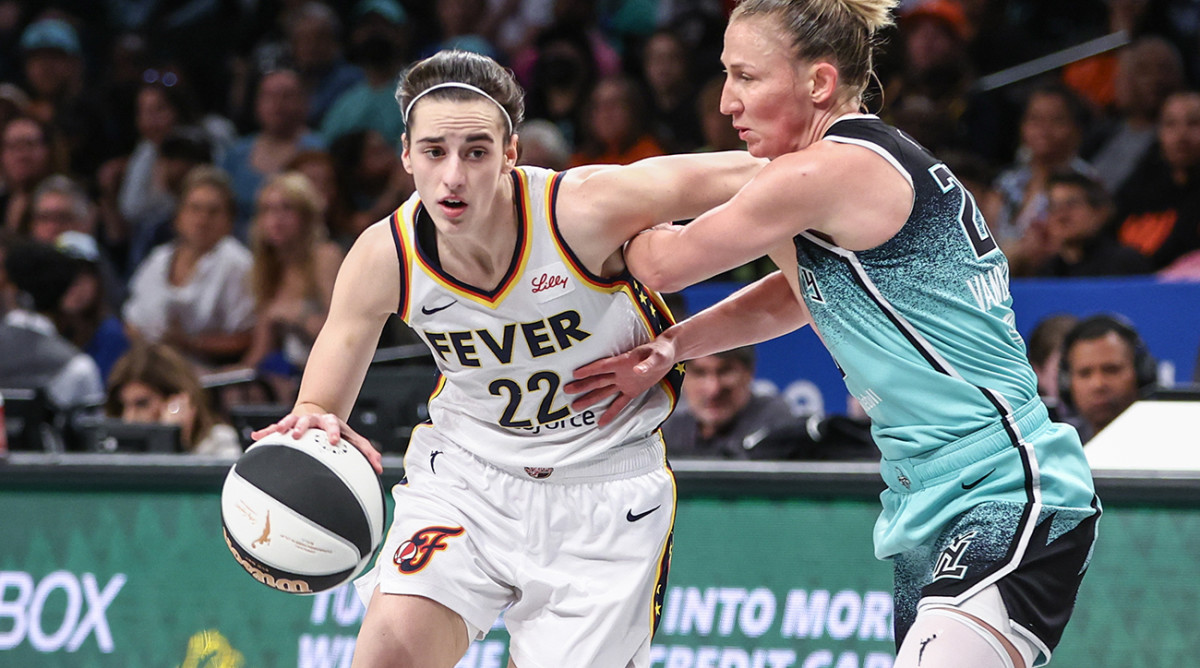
x=278, y=428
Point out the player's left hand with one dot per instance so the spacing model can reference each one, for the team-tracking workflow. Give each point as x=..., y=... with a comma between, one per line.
x=623, y=376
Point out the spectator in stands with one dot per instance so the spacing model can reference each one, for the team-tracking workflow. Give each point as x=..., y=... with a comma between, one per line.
x=60, y=205
x=463, y=24
x=26, y=157
x=280, y=108
x=615, y=128
x=378, y=44
x=1148, y=71
x=322, y=171
x=1052, y=127
x=183, y=149
x=314, y=39
x=723, y=418
x=1071, y=242
x=154, y=384
x=1095, y=78
x=295, y=265
x=13, y=102
x=371, y=177
x=667, y=73
x=33, y=355
x=512, y=25
x=1159, y=207
x=927, y=97
x=1045, y=356
x=193, y=293
x=561, y=70
x=542, y=144
x=54, y=70
x=143, y=200
x=1105, y=366
x=85, y=316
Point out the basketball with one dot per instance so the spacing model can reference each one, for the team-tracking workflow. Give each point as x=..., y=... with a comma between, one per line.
x=302, y=515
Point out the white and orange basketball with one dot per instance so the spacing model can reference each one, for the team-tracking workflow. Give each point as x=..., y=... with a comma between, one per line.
x=302, y=515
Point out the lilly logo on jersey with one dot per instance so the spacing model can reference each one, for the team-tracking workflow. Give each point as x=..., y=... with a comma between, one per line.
x=414, y=554
x=550, y=282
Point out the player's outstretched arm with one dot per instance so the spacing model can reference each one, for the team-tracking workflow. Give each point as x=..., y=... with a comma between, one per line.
x=769, y=303
x=815, y=189
x=601, y=206
x=363, y=298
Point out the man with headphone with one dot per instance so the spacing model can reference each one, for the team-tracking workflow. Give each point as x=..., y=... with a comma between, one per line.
x=1105, y=367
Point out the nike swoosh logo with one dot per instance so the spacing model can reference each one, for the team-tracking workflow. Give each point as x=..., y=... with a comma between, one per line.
x=971, y=485
x=431, y=458
x=431, y=311
x=633, y=518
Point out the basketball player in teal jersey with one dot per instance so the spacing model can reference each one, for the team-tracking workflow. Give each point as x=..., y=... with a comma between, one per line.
x=514, y=276
x=989, y=514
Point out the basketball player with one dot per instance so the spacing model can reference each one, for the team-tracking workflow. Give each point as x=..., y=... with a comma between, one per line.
x=990, y=513
x=514, y=277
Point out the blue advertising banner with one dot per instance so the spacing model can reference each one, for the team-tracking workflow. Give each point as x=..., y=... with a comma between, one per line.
x=1166, y=314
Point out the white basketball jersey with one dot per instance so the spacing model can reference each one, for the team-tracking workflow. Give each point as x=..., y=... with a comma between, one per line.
x=504, y=354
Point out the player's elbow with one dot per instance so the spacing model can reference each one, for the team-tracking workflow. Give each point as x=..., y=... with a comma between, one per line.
x=660, y=279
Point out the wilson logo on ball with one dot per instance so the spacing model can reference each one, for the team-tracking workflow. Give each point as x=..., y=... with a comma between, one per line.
x=290, y=585
x=415, y=553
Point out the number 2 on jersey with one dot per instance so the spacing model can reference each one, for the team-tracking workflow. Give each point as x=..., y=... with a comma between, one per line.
x=546, y=411
x=968, y=215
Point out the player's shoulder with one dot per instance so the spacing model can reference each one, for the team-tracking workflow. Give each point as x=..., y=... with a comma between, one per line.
x=375, y=244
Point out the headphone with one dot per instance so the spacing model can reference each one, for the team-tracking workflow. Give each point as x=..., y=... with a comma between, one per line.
x=1144, y=365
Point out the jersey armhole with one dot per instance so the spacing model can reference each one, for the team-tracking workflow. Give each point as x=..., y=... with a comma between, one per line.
x=886, y=155
x=565, y=250
x=402, y=256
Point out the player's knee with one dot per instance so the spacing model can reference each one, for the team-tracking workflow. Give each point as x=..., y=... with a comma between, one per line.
x=947, y=639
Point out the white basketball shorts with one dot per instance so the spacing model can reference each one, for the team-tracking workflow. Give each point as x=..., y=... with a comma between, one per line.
x=576, y=559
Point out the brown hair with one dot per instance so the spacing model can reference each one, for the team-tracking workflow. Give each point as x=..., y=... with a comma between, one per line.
x=842, y=31
x=165, y=371
x=462, y=67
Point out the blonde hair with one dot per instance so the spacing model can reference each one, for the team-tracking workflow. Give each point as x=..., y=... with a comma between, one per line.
x=267, y=272
x=842, y=31
x=212, y=177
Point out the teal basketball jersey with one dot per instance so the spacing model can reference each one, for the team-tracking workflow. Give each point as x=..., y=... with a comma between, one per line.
x=921, y=326
x=923, y=331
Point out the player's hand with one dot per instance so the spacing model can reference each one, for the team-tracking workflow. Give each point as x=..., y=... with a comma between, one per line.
x=334, y=426
x=623, y=376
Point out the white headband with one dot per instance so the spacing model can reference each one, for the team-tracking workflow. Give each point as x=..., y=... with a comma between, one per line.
x=464, y=86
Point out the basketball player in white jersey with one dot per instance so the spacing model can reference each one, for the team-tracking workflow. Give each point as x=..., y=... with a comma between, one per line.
x=512, y=501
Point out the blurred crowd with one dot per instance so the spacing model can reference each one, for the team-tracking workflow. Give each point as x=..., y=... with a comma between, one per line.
x=188, y=174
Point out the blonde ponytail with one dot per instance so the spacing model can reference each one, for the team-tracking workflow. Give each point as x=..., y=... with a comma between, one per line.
x=841, y=31
x=875, y=14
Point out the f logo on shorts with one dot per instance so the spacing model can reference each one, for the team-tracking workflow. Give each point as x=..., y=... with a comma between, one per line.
x=415, y=553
